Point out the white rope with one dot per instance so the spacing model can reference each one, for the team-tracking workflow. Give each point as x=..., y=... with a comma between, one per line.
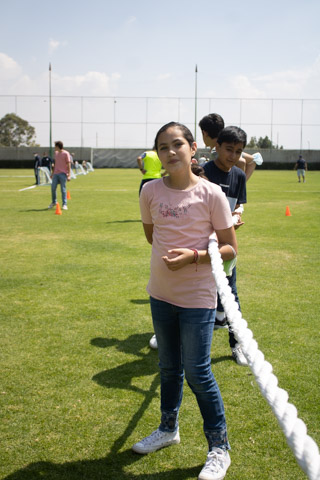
x=303, y=446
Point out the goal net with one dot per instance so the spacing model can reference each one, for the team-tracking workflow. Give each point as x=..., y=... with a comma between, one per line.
x=79, y=169
x=44, y=177
x=89, y=167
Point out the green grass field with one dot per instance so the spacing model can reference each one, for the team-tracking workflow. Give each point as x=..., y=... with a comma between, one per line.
x=79, y=384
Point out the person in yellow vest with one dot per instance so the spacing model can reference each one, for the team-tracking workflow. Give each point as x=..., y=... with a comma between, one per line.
x=150, y=167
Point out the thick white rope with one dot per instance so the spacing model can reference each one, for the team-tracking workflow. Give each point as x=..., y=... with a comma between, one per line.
x=303, y=446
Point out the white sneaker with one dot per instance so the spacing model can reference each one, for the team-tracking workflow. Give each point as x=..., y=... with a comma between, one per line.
x=216, y=466
x=237, y=354
x=64, y=207
x=155, y=441
x=51, y=205
x=153, y=342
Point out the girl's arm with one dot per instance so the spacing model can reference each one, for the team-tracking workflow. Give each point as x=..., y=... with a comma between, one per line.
x=227, y=247
x=148, y=231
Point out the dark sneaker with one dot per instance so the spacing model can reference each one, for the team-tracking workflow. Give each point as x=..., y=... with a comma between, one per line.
x=220, y=323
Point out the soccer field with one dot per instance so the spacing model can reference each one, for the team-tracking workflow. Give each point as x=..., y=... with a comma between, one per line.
x=79, y=384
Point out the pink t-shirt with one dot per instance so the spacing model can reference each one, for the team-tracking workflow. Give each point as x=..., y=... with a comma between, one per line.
x=183, y=219
x=61, y=160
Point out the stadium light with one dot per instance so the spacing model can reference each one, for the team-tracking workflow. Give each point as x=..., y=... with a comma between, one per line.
x=50, y=115
x=195, y=103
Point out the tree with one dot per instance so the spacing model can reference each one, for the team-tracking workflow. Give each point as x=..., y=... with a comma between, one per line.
x=253, y=142
x=16, y=132
x=265, y=142
x=262, y=143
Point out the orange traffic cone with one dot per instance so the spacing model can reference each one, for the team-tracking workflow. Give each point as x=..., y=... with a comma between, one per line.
x=68, y=195
x=58, y=209
x=288, y=214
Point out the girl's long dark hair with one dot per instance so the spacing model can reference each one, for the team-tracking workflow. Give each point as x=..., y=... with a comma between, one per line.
x=185, y=132
x=198, y=170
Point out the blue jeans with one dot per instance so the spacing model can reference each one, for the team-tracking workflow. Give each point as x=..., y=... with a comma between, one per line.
x=62, y=179
x=184, y=338
x=233, y=285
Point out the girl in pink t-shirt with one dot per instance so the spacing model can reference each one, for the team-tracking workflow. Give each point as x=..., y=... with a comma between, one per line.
x=179, y=212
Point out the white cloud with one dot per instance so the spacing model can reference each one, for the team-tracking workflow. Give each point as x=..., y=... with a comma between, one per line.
x=54, y=44
x=14, y=81
x=91, y=83
x=131, y=20
x=244, y=87
x=9, y=69
x=302, y=83
x=164, y=76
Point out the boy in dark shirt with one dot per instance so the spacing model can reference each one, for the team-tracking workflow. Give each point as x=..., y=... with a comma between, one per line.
x=46, y=161
x=223, y=171
x=301, y=167
x=211, y=125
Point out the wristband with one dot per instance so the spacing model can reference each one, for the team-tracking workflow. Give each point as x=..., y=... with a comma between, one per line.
x=195, y=256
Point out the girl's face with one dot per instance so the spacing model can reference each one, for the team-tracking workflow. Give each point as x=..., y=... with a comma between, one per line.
x=174, y=150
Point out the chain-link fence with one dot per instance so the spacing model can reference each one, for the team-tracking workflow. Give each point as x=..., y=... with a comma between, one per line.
x=132, y=122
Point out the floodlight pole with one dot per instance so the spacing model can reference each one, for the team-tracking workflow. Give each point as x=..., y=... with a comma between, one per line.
x=301, y=126
x=195, y=103
x=50, y=114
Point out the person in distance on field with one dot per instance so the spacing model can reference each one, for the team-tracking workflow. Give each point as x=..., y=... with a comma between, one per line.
x=60, y=174
x=149, y=166
x=301, y=167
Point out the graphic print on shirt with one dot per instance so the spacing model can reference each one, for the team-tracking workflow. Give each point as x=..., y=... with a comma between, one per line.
x=169, y=211
x=225, y=188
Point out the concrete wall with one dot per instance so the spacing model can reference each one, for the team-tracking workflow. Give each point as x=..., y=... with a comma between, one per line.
x=286, y=159
x=22, y=157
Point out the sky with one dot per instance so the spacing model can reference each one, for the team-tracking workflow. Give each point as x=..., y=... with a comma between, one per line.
x=138, y=48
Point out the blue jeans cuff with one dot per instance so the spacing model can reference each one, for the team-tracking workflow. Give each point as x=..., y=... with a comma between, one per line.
x=217, y=439
x=169, y=421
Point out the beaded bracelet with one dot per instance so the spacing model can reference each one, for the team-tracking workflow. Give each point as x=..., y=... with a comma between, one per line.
x=195, y=257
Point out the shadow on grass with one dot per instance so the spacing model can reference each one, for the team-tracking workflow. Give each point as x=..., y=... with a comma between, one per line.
x=108, y=468
x=134, y=344
x=222, y=359
x=140, y=301
x=125, y=221
x=35, y=210
x=122, y=376
x=113, y=466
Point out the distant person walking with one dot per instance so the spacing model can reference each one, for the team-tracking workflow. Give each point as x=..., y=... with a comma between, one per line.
x=60, y=174
x=46, y=161
x=301, y=167
x=150, y=167
x=36, y=165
